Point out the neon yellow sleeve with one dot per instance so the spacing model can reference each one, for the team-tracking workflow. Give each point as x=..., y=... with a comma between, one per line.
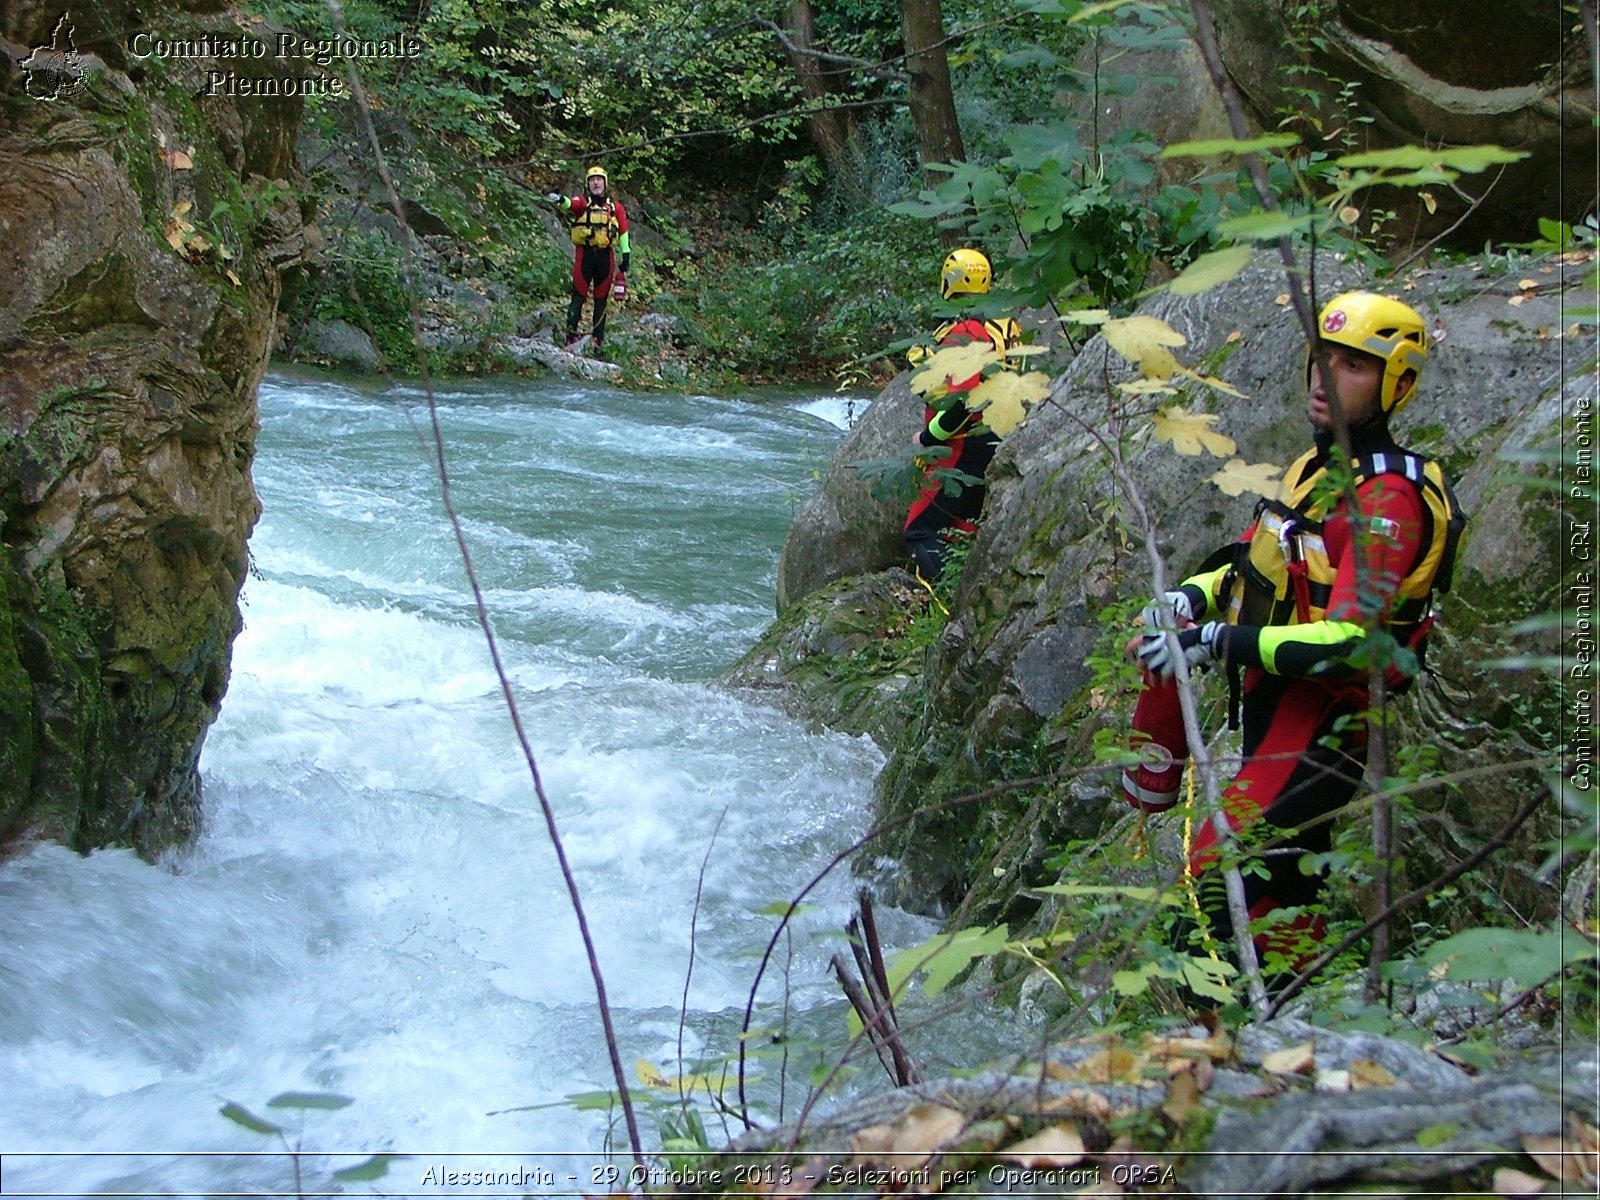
x=623, y=246
x=1210, y=584
x=1296, y=649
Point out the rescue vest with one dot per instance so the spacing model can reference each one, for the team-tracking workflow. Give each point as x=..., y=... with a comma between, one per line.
x=596, y=225
x=1282, y=575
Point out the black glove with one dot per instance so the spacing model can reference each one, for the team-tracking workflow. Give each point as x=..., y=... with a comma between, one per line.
x=1201, y=645
x=626, y=258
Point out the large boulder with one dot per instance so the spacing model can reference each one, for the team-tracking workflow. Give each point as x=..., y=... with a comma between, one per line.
x=146, y=216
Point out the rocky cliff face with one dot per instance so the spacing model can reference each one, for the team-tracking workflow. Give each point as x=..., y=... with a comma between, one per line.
x=144, y=220
x=1010, y=688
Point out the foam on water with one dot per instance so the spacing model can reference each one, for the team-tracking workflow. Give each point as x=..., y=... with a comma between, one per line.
x=373, y=907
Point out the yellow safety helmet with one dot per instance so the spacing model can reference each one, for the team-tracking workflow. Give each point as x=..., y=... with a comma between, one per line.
x=1383, y=328
x=597, y=169
x=965, y=271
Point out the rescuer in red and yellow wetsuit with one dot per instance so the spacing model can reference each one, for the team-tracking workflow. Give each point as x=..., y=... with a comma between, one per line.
x=1286, y=606
x=601, y=250
x=948, y=424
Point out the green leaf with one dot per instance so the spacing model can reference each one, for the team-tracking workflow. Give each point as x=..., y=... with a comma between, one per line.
x=240, y=1115
x=1437, y=1135
x=1417, y=158
x=1524, y=956
x=1210, y=270
x=375, y=1167
x=944, y=956
x=323, y=1100
x=1213, y=146
x=592, y=1101
x=785, y=908
x=1262, y=226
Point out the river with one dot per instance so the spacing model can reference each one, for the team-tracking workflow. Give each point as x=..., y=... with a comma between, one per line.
x=373, y=908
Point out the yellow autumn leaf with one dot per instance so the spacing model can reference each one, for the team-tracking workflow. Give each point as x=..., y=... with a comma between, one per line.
x=1147, y=387
x=233, y=279
x=1235, y=336
x=650, y=1075
x=1428, y=202
x=1212, y=382
x=175, y=236
x=1367, y=1073
x=1057, y=1146
x=952, y=364
x=924, y=1130
x=1238, y=477
x=1114, y=1064
x=1191, y=433
x=1006, y=396
x=1291, y=1060
x=1349, y=214
x=182, y=207
x=1087, y=316
x=178, y=160
x=1144, y=341
x=1183, y=1095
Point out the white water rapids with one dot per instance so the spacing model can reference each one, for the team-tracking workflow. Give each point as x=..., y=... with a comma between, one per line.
x=373, y=908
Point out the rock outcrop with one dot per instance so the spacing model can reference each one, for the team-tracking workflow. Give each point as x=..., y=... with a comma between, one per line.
x=1011, y=688
x=145, y=215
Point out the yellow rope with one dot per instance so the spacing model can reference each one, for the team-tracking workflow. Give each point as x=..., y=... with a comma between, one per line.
x=929, y=586
x=1207, y=940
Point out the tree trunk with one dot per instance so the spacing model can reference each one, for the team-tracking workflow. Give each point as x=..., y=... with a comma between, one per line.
x=933, y=106
x=832, y=131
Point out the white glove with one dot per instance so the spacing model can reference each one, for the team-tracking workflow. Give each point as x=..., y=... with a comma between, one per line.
x=1200, y=646
x=1158, y=614
x=554, y=197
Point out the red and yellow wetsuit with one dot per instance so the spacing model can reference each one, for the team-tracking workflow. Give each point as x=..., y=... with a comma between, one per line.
x=1295, y=616
x=970, y=446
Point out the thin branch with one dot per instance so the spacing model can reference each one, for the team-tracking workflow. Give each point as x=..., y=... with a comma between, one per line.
x=409, y=269
x=1477, y=203
x=793, y=47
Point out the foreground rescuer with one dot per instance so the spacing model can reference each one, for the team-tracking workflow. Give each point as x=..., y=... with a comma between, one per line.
x=1287, y=606
x=964, y=443
x=601, y=254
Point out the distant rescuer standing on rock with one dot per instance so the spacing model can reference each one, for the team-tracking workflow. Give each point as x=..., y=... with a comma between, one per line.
x=601, y=252
x=967, y=444
x=1291, y=610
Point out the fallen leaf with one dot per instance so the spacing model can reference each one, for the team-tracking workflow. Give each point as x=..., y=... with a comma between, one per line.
x=1332, y=1080
x=1082, y=1102
x=1235, y=336
x=1057, y=1146
x=1349, y=214
x=1366, y=1073
x=1554, y=1155
x=1291, y=1060
x=1238, y=477
x=182, y=207
x=872, y=1141
x=178, y=160
x=925, y=1129
x=1281, y=299
x=1183, y=1096
x=1191, y=433
x=1114, y=1064
x=1514, y=301
x=1510, y=1182
x=1527, y=285
x=233, y=279
x=1218, y=1047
